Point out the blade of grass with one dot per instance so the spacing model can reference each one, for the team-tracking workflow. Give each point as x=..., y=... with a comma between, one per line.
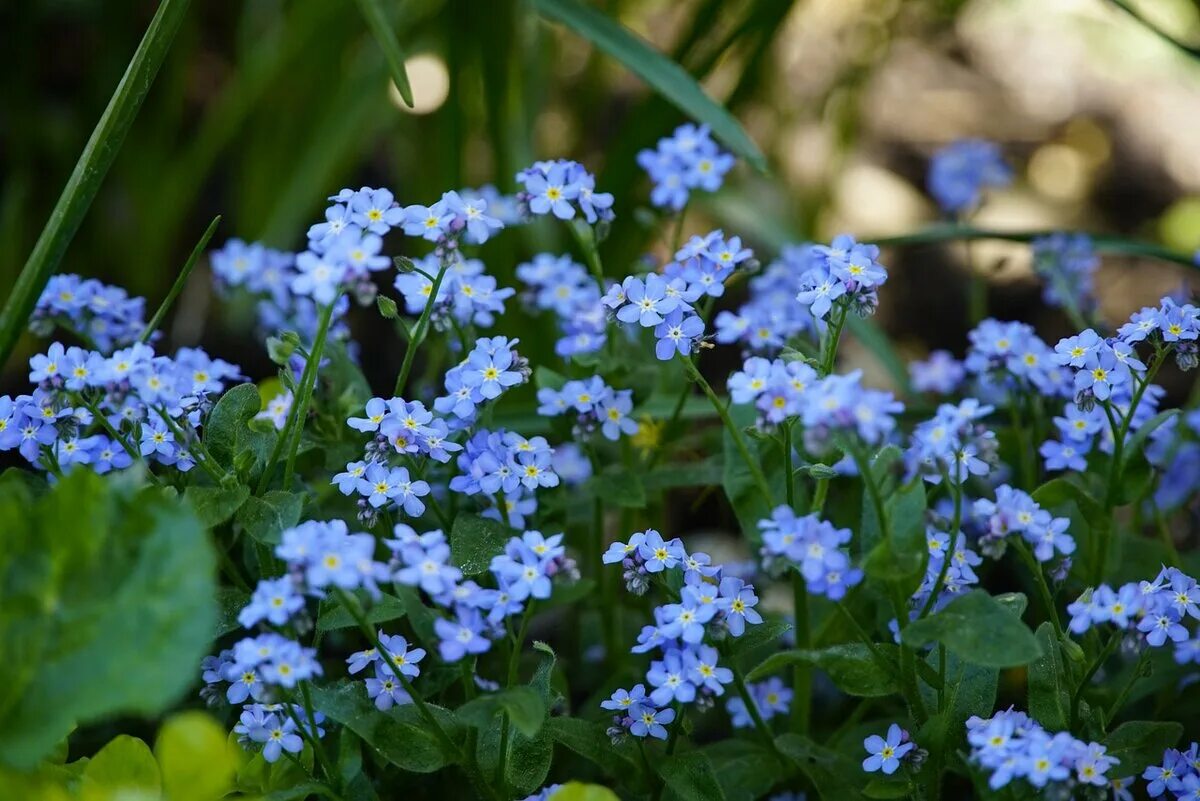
x=381, y=29
x=664, y=75
x=180, y=280
x=89, y=172
x=1103, y=243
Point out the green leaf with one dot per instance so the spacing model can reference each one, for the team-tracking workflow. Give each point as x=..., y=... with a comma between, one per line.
x=545, y=378
x=904, y=560
x=228, y=435
x=230, y=602
x=98, y=155
x=664, y=75
x=381, y=29
x=399, y=735
x=828, y=770
x=386, y=609
x=980, y=630
x=215, y=505
x=745, y=769
x=124, y=766
x=474, y=540
x=1058, y=491
x=619, y=487
x=106, y=606
x=1140, y=743
x=588, y=740
x=1049, y=699
x=523, y=704
x=762, y=637
x=690, y=776
x=850, y=666
x=265, y=518
x=197, y=759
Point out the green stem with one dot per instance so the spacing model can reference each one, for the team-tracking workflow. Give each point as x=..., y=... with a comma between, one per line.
x=1116, y=467
x=1120, y=700
x=802, y=672
x=1039, y=580
x=1104, y=654
x=203, y=457
x=591, y=254
x=514, y=662
x=739, y=684
x=820, y=490
x=955, y=525
x=756, y=472
x=833, y=338
x=352, y=606
x=134, y=454
x=318, y=747
x=308, y=383
x=83, y=185
x=420, y=330
x=180, y=281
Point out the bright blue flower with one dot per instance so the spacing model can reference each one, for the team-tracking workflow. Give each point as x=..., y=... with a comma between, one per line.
x=274, y=600
x=885, y=754
x=703, y=670
x=659, y=555
x=461, y=636
x=677, y=334
x=651, y=722
x=669, y=677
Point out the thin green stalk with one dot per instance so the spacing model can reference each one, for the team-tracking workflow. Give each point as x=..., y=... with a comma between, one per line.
x=514, y=661
x=352, y=606
x=833, y=338
x=864, y=637
x=180, y=281
x=203, y=457
x=308, y=383
x=1103, y=243
x=801, y=672
x=785, y=442
x=591, y=253
x=1116, y=467
x=83, y=185
x=1104, y=654
x=672, y=741
x=756, y=472
x=955, y=525
x=820, y=490
x=420, y=330
x=117, y=437
x=318, y=747
x=1025, y=462
x=1039, y=580
x=739, y=684
x=685, y=391
x=1120, y=700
